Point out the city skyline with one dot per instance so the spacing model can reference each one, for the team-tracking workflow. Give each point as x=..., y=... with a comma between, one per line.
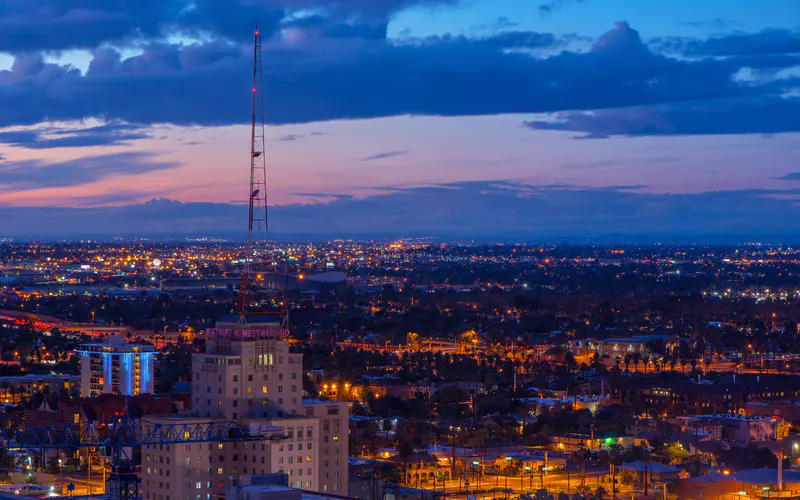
x=552, y=119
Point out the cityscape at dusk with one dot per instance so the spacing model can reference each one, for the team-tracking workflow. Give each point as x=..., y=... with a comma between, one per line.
x=399, y=249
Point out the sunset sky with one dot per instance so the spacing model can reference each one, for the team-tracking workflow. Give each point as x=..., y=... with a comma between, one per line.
x=488, y=118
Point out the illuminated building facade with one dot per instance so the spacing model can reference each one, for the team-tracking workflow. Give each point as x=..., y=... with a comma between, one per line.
x=116, y=367
x=248, y=375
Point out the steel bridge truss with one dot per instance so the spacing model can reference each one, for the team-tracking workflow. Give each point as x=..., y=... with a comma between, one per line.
x=126, y=432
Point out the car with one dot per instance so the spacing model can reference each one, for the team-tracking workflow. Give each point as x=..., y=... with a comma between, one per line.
x=31, y=490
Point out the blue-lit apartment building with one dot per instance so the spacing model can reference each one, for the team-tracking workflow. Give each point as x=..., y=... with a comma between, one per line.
x=116, y=367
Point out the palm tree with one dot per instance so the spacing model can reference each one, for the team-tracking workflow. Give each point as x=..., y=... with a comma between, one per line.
x=404, y=450
x=5, y=386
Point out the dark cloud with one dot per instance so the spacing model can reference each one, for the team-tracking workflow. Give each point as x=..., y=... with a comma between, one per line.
x=31, y=25
x=337, y=196
x=498, y=41
x=360, y=74
x=294, y=137
x=763, y=115
x=47, y=138
x=27, y=25
x=381, y=156
x=363, y=31
x=552, y=6
x=769, y=41
x=620, y=162
x=500, y=24
x=792, y=176
x=716, y=23
x=38, y=174
x=341, y=79
x=491, y=209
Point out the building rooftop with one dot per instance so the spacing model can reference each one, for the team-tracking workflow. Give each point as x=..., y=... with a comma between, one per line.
x=32, y=377
x=119, y=342
x=250, y=318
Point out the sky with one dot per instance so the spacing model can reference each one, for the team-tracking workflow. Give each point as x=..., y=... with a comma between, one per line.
x=586, y=120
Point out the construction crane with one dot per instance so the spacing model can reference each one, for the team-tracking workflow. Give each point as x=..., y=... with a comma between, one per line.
x=127, y=432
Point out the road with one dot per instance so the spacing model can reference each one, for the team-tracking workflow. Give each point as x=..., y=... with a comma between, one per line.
x=84, y=485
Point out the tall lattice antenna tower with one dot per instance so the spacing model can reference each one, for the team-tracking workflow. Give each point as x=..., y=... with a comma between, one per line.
x=257, y=195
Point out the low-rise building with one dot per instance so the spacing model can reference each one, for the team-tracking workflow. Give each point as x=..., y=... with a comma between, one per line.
x=14, y=389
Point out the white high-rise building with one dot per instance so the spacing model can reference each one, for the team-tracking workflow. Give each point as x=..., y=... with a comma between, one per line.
x=116, y=367
x=250, y=377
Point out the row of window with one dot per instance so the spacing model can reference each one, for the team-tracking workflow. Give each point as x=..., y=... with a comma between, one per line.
x=161, y=496
x=299, y=459
x=291, y=446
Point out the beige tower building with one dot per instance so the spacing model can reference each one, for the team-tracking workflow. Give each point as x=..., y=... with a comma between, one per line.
x=250, y=377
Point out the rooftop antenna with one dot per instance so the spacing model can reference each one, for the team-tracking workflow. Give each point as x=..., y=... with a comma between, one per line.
x=257, y=221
